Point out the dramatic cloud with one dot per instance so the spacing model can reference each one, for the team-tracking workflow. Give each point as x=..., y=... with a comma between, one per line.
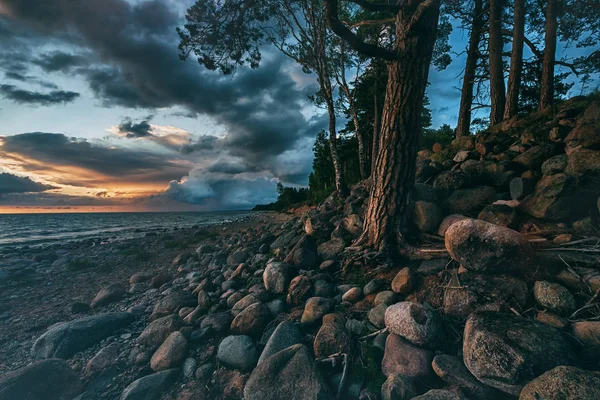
x=132, y=130
x=138, y=66
x=56, y=149
x=15, y=184
x=37, y=98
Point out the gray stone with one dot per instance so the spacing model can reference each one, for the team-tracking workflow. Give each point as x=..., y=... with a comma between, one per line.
x=554, y=297
x=150, y=387
x=277, y=276
x=563, y=382
x=331, y=249
x=398, y=387
x=427, y=216
x=452, y=370
x=288, y=374
x=419, y=324
x=377, y=315
x=238, y=352
x=386, y=297
x=106, y=357
x=51, y=379
x=401, y=357
x=157, y=331
x=506, y=351
x=65, y=339
x=285, y=335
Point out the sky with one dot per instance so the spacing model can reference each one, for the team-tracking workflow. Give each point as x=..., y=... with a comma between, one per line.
x=98, y=113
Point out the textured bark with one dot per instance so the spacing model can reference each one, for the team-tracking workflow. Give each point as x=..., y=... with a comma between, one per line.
x=375, y=133
x=516, y=61
x=393, y=174
x=466, y=100
x=547, y=92
x=497, y=89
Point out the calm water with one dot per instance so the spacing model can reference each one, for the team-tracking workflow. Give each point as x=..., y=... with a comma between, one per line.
x=42, y=229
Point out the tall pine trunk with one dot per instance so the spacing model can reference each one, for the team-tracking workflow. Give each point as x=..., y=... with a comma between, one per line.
x=362, y=148
x=497, y=89
x=393, y=173
x=547, y=88
x=516, y=61
x=466, y=99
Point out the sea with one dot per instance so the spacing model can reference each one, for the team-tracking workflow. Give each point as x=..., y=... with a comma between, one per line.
x=33, y=230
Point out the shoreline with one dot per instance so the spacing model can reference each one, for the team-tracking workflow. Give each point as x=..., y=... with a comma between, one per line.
x=42, y=296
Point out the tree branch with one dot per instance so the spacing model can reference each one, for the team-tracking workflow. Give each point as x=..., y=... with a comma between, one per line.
x=373, y=22
x=378, y=7
x=369, y=50
x=540, y=54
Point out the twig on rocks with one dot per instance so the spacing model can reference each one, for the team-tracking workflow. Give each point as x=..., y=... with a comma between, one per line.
x=370, y=335
x=333, y=360
x=589, y=304
x=515, y=311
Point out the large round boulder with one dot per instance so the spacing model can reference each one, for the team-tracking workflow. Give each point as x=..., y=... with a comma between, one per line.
x=506, y=351
x=480, y=246
x=277, y=276
x=563, y=383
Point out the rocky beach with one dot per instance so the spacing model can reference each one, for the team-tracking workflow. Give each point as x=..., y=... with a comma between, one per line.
x=499, y=301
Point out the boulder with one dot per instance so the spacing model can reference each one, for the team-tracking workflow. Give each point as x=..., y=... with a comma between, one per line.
x=285, y=335
x=473, y=292
x=238, y=352
x=403, y=282
x=331, y=339
x=377, y=315
x=238, y=257
x=331, y=249
x=535, y=156
x=499, y=214
x=452, y=370
x=106, y=357
x=448, y=221
x=419, y=324
x=109, y=294
x=251, y=321
x=398, y=387
x=554, y=297
x=65, y=339
x=427, y=216
x=217, y=322
x=299, y=290
x=315, y=309
x=50, y=379
x=448, y=182
x=150, y=387
x=304, y=254
x=563, y=382
x=158, y=330
x=402, y=358
x=584, y=162
x=288, y=374
x=506, y=351
x=585, y=134
x=588, y=333
x=480, y=246
x=352, y=295
x=553, y=197
x=243, y=303
x=172, y=302
x=555, y=165
x=277, y=276
x=386, y=297
x=171, y=353
x=465, y=201
x=161, y=279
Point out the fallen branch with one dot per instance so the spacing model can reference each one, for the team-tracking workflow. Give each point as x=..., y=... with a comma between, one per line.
x=370, y=335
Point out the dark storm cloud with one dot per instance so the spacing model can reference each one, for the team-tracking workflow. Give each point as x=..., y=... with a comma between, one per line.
x=116, y=162
x=15, y=184
x=17, y=76
x=130, y=129
x=22, y=96
x=138, y=66
x=59, y=61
